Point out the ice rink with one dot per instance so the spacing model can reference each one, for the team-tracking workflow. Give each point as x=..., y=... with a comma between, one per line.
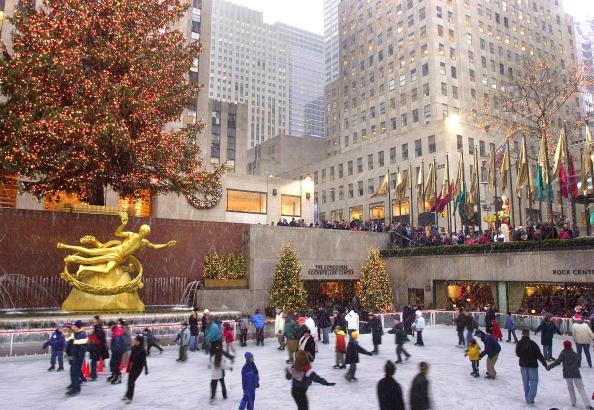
x=26, y=384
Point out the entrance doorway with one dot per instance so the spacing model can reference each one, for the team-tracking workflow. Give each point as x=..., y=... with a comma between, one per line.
x=330, y=293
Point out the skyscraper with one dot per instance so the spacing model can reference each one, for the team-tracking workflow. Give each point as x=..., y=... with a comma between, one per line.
x=331, y=44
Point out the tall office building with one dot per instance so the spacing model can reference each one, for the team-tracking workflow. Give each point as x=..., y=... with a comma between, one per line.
x=331, y=46
x=584, y=33
x=412, y=74
x=305, y=58
x=277, y=70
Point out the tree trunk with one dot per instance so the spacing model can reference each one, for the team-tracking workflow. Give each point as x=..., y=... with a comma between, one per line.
x=97, y=195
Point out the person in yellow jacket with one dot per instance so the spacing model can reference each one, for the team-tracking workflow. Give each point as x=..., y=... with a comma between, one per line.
x=473, y=352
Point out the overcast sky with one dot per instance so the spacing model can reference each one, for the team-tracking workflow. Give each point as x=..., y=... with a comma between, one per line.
x=309, y=14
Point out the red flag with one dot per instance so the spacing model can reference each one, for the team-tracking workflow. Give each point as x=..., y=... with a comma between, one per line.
x=563, y=180
x=572, y=178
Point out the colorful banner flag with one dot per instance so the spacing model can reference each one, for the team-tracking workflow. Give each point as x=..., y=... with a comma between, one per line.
x=544, y=190
x=587, y=159
x=430, y=184
x=523, y=169
x=402, y=184
x=559, y=156
x=382, y=189
x=505, y=169
x=492, y=169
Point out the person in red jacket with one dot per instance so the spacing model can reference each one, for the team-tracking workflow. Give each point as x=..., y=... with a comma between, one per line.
x=496, y=330
x=229, y=337
x=340, y=348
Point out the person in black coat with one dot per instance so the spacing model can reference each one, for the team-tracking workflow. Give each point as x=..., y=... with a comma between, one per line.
x=460, y=322
x=489, y=318
x=324, y=325
x=302, y=376
x=419, y=391
x=194, y=330
x=389, y=392
x=339, y=320
x=307, y=344
x=352, y=356
x=400, y=338
x=97, y=346
x=408, y=318
x=137, y=363
x=377, y=330
x=529, y=353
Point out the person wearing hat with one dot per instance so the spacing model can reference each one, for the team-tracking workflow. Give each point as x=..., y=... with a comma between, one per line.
x=352, y=356
x=76, y=350
x=582, y=335
x=571, y=373
x=377, y=330
x=491, y=350
x=194, y=330
x=56, y=343
x=389, y=391
x=259, y=323
x=135, y=366
x=250, y=381
x=279, y=327
x=529, y=353
x=419, y=391
x=184, y=342
x=302, y=375
x=307, y=344
x=118, y=348
x=97, y=346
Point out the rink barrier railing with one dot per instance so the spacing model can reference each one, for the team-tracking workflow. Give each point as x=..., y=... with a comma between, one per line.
x=29, y=342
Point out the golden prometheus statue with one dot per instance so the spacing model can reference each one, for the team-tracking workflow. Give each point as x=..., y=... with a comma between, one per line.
x=103, y=281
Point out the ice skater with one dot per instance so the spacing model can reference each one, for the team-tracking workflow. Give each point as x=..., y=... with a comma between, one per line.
x=547, y=330
x=218, y=366
x=56, y=344
x=419, y=391
x=279, y=327
x=419, y=326
x=352, y=356
x=250, y=381
x=118, y=348
x=183, y=336
x=307, y=344
x=150, y=341
x=491, y=350
x=377, y=331
x=244, y=325
x=510, y=326
x=473, y=352
x=340, y=348
x=571, y=373
x=229, y=337
x=76, y=351
x=259, y=323
x=529, y=353
x=97, y=346
x=135, y=366
x=400, y=338
x=389, y=391
x=302, y=375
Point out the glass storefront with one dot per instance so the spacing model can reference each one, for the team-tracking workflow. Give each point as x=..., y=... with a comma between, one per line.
x=468, y=294
x=377, y=210
x=291, y=205
x=356, y=213
x=246, y=201
x=330, y=293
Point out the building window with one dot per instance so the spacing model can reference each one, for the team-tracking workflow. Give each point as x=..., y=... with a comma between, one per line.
x=340, y=170
x=246, y=201
x=418, y=148
x=356, y=213
x=360, y=188
x=471, y=146
x=377, y=210
x=360, y=165
x=370, y=162
x=351, y=192
x=400, y=208
x=350, y=168
x=370, y=186
x=332, y=173
x=291, y=205
x=431, y=142
x=405, y=152
x=380, y=159
x=393, y=155
x=483, y=148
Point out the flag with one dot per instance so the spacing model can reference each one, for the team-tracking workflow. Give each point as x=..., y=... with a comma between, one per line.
x=420, y=199
x=587, y=159
x=559, y=156
x=505, y=169
x=444, y=195
x=430, y=194
x=401, y=184
x=544, y=190
x=563, y=181
x=382, y=189
x=572, y=178
x=460, y=189
x=499, y=153
x=471, y=199
x=492, y=169
x=523, y=169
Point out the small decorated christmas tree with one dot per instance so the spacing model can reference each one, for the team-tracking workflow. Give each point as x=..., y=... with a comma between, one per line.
x=287, y=290
x=376, y=290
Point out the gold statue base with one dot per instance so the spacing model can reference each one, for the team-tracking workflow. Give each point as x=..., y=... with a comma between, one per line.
x=78, y=301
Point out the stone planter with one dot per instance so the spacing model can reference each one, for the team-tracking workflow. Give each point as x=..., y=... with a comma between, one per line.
x=225, y=284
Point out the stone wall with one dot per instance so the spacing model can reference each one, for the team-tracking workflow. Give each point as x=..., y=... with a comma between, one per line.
x=420, y=272
x=28, y=248
x=313, y=247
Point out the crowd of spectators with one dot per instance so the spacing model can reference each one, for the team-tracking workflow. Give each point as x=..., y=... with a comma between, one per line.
x=404, y=235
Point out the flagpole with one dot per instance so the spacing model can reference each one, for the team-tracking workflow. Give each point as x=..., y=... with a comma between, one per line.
x=463, y=190
x=478, y=190
x=410, y=202
x=511, y=189
x=422, y=187
x=389, y=199
x=586, y=201
x=571, y=182
x=435, y=192
x=448, y=194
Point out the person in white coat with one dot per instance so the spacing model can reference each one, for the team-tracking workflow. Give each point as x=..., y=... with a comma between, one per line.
x=352, y=319
x=311, y=324
x=419, y=326
x=582, y=335
x=279, y=328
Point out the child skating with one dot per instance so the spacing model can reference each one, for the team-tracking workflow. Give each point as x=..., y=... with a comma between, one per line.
x=250, y=381
x=340, y=348
x=135, y=366
x=56, y=343
x=352, y=356
x=229, y=337
x=473, y=352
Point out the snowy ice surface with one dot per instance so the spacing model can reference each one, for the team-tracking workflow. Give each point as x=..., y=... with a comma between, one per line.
x=25, y=383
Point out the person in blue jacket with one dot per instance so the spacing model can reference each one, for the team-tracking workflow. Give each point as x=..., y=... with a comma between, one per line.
x=259, y=323
x=250, y=381
x=510, y=325
x=76, y=350
x=56, y=343
x=491, y=350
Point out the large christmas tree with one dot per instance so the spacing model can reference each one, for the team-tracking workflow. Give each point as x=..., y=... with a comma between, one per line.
x=90, y=87
x=287, y=290
x=375, y=286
